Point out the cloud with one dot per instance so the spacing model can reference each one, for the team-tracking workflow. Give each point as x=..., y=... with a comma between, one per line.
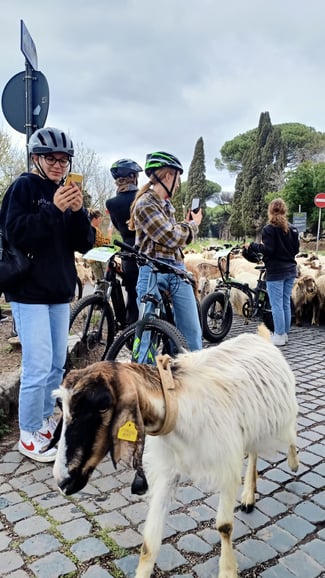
x=130, y=76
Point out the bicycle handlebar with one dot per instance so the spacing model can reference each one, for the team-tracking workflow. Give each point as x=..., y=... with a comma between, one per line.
x=144, y=259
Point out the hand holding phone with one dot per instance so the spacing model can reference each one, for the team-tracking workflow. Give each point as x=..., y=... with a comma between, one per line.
x=74, y=178
x=195, y=207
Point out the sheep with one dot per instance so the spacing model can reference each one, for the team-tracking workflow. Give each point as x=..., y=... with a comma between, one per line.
x=219, y=404
x=320, y=283
x=304, y=294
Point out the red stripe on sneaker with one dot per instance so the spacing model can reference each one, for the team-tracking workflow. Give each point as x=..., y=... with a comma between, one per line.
x=46, y=435
x=30, y=447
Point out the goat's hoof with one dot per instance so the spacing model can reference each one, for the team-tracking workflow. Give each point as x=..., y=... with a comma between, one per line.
x=248, y=508
x=139, y=484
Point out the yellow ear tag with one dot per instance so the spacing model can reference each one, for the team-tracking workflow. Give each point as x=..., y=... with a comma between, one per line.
x=128, y=432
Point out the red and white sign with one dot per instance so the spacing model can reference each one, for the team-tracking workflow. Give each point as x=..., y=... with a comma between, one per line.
x=319, y=200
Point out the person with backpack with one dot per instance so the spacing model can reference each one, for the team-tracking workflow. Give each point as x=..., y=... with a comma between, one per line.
x=279, y=246
x=125, y=172
x=45, y=219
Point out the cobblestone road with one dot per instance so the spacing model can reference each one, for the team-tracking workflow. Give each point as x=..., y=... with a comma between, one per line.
x=97, y=533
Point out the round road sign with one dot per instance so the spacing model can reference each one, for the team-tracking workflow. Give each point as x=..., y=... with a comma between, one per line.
x=319, y=200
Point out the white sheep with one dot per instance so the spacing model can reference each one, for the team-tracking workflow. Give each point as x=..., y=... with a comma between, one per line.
x=221, y=403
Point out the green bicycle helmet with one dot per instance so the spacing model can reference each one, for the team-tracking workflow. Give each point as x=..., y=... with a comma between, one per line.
x=157, y=160
x=50, y=140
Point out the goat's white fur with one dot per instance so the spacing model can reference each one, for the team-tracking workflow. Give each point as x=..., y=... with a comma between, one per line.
x=236, y=398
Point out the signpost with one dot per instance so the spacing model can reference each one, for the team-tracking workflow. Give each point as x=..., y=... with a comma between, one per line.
x=319, y=201
x=300, y=221
x=25, y=99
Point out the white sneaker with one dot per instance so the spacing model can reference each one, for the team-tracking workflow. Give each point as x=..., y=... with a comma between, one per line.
x=286, y=337
x=278, y=340
x=48, y=428
x=33, y=445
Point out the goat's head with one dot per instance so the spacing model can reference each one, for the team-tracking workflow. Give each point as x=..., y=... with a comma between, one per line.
x=307, y=285
x=100, y=413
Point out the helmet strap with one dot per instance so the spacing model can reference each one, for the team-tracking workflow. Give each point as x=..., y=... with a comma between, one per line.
x=169, y=192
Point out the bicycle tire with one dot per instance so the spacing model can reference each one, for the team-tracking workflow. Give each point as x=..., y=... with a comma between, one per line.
x=91, y=331
x=214, y=326
x=78, y=290
x=169, y=340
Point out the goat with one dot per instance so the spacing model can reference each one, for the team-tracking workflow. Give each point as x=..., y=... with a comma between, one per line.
x=227, y=401
x=304, y=294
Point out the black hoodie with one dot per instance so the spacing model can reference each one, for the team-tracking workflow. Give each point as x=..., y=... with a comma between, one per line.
x=35, y=225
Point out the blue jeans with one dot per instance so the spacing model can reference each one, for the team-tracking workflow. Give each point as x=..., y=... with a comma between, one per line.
x=279, y=295
x=183, y=299
x=43, y=333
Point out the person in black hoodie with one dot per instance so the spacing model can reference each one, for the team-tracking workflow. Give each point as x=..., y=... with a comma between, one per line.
x=280, y=245
x=125, y=173
x=46, y=219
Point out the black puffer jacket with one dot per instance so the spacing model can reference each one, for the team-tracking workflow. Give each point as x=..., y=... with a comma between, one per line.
x=119, y=210
x=34, y=224
x=279, y=250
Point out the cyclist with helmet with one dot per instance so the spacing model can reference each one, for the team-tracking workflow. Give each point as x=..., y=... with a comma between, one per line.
x=125, y=172
x=160, y=236
x=44, y=218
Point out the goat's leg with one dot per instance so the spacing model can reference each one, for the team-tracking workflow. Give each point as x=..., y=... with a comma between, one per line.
x=152, y=535
x=225, y=524
x=293, y=460
x=249, y=489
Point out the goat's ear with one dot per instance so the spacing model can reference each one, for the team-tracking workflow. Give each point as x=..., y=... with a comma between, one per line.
x=94, y=397
x=126, y=435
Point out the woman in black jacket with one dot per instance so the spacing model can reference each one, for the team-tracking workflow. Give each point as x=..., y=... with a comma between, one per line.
x=280, y=245
x=44, y=218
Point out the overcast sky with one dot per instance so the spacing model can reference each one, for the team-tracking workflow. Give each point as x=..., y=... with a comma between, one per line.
x=128, y=77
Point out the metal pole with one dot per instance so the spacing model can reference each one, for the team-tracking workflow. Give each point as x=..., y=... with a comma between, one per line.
x=318, y=229
x=29, y=107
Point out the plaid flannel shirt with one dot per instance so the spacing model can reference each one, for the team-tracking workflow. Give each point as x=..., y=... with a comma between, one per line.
x=157, y=232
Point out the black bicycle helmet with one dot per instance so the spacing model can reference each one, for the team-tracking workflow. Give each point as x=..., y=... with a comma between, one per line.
x=50, y=140
x=123, y=167
x=158, y=160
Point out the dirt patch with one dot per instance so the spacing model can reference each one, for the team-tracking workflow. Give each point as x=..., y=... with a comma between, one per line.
x=10, y=353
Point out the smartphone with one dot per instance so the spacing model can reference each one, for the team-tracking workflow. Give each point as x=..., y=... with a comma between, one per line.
x=195, y=205
x=76, y=178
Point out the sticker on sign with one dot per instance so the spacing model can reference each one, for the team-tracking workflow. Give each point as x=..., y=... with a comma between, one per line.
x=319, y=200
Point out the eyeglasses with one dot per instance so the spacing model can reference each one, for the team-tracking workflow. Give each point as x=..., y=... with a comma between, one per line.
x=51, y=161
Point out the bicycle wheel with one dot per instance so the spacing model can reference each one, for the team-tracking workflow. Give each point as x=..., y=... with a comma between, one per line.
x=216, y=322
x=164, y=338
x=91, y=331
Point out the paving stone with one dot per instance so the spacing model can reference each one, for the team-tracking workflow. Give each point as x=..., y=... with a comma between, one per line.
x=187, y=494
x=169, y=558
x=128, y=565
x=316, y=550
x=10, y=560
x=310, y=512
x=19, y=512
x=256, y=550
x=4, y=540
x=270, y=507
x=65, y=513
x=89, y=548
x=126, y=538
x=313, y=479
x=31, y=526
x=17, y=574
x=287, y=498
x=136, y=512
x=277, y=571
x=40, y=545
x=181, y=522
x=301, y=565
x=111, y=520
x=52, y=566
x=296, y=526
x=75, y=529
x=35, y=489
x=96, y=572
x=252, y=520
x=192, y=543
x=276, y=537
x=208, y=569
